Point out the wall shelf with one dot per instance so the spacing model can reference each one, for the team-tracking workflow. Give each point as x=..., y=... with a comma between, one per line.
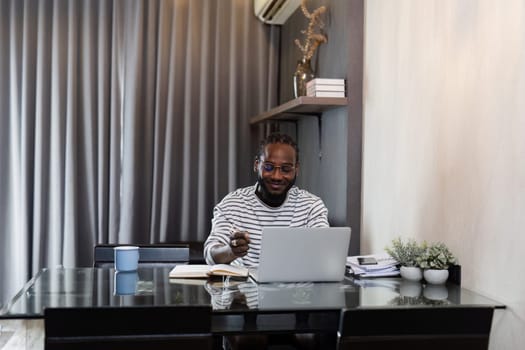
x=297, y=107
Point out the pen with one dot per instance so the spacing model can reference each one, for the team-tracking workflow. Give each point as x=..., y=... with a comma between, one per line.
x=233, y=242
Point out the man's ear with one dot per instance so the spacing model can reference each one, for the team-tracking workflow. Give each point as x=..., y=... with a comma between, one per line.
x=255, y=165
x=296, y=168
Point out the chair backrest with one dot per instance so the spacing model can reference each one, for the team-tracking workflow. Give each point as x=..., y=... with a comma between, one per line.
x=149, y=254
x=415, y=328
x=131, y=328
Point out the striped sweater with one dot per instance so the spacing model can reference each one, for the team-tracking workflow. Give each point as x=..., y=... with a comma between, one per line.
x=243, y=210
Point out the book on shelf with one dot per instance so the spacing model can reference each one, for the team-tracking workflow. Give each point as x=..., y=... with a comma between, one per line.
x=326, y=88
x=205, y=271
x=326, y=94
x=325, y=81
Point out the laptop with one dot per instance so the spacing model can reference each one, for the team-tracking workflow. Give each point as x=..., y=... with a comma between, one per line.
x=302, y=254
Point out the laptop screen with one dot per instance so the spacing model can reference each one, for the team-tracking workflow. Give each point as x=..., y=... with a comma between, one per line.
x=302, y=254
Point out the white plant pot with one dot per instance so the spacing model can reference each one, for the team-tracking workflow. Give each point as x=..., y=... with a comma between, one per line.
x=435, y=276
x=411, y=273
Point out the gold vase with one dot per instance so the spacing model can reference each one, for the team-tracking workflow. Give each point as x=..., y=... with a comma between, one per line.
x=303, y=74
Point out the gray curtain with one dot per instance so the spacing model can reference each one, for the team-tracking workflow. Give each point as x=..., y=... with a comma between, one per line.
x=123, y=121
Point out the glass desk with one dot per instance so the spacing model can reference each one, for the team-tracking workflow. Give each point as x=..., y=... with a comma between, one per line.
x=239, y=306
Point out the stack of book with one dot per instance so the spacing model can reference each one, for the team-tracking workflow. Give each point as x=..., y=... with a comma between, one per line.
x=322, y=87
x=378, y=265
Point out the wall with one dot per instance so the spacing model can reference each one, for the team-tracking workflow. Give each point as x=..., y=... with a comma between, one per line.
x=330, y=160
x=444, y=145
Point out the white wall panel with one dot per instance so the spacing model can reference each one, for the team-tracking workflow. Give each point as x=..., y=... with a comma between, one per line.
x=444, y=145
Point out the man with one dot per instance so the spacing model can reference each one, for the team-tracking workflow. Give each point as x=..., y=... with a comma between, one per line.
x=273, y=201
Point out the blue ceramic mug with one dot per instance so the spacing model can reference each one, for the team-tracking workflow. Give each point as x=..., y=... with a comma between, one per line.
x=126, y=258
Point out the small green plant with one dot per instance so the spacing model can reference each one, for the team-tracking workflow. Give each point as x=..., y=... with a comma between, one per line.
x=406, y=253
x=437, y=256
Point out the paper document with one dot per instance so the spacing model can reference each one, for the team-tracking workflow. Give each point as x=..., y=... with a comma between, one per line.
x=385, y=265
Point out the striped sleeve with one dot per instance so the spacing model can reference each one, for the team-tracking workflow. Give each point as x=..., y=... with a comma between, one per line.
x=243, y=210
x=220, y=233
x=318, y=216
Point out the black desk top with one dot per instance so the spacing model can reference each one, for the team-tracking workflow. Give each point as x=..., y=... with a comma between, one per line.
x=97, y=287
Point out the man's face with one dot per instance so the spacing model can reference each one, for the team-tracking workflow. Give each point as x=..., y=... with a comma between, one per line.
x=277, y=168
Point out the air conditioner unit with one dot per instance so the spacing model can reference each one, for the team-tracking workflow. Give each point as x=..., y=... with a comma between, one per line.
x=275, y=11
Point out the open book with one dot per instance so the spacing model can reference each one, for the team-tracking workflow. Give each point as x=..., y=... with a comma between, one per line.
x=204, y=271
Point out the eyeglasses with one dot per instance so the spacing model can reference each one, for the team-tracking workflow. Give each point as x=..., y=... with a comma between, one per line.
x=284, y=169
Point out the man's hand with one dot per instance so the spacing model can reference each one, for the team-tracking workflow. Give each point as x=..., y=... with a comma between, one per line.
x=239, y=241
x=237, y=248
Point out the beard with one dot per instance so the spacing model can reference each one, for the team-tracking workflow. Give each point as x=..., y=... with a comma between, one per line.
x=272, y=199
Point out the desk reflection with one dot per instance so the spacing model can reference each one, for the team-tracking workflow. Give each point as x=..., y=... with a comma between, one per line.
x=400, y=292
x=234, y=294
x=126, y=282
x=102, y=287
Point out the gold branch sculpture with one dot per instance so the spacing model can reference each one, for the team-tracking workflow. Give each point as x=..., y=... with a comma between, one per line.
x=312, y=39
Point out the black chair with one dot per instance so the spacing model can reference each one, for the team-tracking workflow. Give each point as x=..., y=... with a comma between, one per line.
x=153, y=254
x=128, y=328
x=415, y=328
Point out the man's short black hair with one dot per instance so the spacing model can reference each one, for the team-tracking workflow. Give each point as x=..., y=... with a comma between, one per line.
x=278, y=138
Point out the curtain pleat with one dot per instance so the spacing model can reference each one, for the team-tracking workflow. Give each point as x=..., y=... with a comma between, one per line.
x=123, y=121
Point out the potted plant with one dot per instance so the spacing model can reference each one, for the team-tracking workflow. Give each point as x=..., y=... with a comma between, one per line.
x=406, y=254
x=435, y=262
